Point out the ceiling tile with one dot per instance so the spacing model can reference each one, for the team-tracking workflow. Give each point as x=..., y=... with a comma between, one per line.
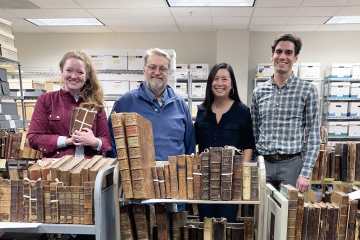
x=51, y=13
x=308, y=20
x=142, y=3
x=349, y=11
x=99, y=13
x=135, y=28
x=353, y=2
x=195, y=28
x=300, y=28
x=274, y=12
x=98, y=4
x=269, y=20
x=340, y=27
x=34, y=29
x=266, y=28
x=193, y=20
x=229, y=27
x=19, y=22
x=323, y=3
x=79, y=29
x=316, y=11
x=230, y=20
x=159, y=28
x=195, y=12
x=167, y=21
x=118, y=21
x=55, y=3
x=278, y=3
x=150, y=12
x=5, y=14
x=231, y=12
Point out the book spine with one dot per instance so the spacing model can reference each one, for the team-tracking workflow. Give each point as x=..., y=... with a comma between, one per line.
x=310, y=222
x=182, y=177
x=343, y=174
x=208, y=228
x=125, y=223
x=226, y=174
x=332, y=164
x=141, y=222
x=248, y=229
x=173, y=177
x=47, y=205
x=81, y=205
x=205, y=176
x=54, y=203
x=197, y=176
x=167, y=181
x=228, y=233
x=315, y=230
x=323, y=165
x=193, y=232
x=189, y=177
x=299, y=216
x=215, y=173
x=26, y=197
x=162, y=222
x=62, y=204
x=160, y=173
x=254, y=193
x=352, y=220
x=337, y=173
x=14, y=200
x=75, y=199
x=357, y=162
x=156, y=181
x=40, y=201
x=175, y=225
x=219, y=228
x=335, y=228
x=5, y=200
x=329, y=221
x=352, y=161
x=88, y=202
x=246, y=183
x=315, y=172
x=305, y=221
x=357, y=227
x=237, y=178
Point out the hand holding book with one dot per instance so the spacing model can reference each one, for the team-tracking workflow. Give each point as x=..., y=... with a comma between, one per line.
x=86, y=138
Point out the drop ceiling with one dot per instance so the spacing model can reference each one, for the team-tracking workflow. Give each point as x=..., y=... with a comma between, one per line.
x=157, y=16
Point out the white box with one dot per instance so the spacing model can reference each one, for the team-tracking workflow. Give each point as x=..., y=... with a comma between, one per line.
x=354, y=109
x=265, y=70
x=338, y=90
x=5, y=26
x=181, y=89
x=7, y=39
x=97, y=57
x=295, y=69
x=355, y=70
x=355, y=90
x=338, y=109
x=194, y=107
x=354, y=128
x=136, y=59
x=309, y=70
x=338, y=128
x=114, y=84
x=332, y=143
x=172, y=81
x=338, y=70
x=198, y=89
x=135, y=81
x=172, y=55
x=182, y=70
x=8, y=52
x=108, y=107
x=116, y=59
x=199, y=70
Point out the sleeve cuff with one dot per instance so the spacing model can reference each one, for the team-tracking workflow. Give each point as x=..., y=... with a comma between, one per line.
x=61, y=142
x=100, y=145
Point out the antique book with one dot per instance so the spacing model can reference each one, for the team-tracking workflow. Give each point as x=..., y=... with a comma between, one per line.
x=185, y=233
x=237, y=178
x=102, y=163
x=40, y=200
x=85, y=173
x=226, y=174
x=201, y=234
x=47, y=207
x=344, y=163
x=205, y=176
x=323, y=165
x=237, y=233
x=341, y=199
x=310, y=222
x=305, y=221
x=66, y=169
x=167, y=181
x=247, y=180
x=38, y=154
x=329, y=221
x=291, y=193
x=35, y=170
x=228, y=233
x=248, y=229
x=215, y=173
x=299, y=216
x=18, y=146
x=141, y=151
x=160, y=174
x=27, y=149
x=322, y=225
x=316, y=223
x=219, y=228
x=357, y=162
x=125, y=223
x=254, y=192
x=84, y=119
x=352, y=219
x=14, y=143
x=175, y=225
x=3, y=136
x=14, y=200
x=174, y=187
x=181, y=161
x=26, y=196
x=189, y=177
x=5, y=200
x=351, y=162
x=20, y=207
x=9, y=144
x=162, y=222
x=328, y=164
x=208, y=228
x=45, y=171
x=76, y=173
x=357, y=229
x=33, y=153
x=68, y=205
x=315, y=172
x=337, y=173
x=193, y=232
x=156, y=182
x=33, y=202
x=74, y=113
x=141, y=222
x=81, y=205
x=54, y=204
x=197, y=176
x=89, y=203
x=55, y=168
x=62, y=204
x=332, y=164
x=335, y=228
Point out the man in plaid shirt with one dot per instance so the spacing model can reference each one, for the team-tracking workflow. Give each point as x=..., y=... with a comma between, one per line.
x=285, y=118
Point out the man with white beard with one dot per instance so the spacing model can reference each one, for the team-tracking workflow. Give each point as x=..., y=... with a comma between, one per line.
x=173, y=129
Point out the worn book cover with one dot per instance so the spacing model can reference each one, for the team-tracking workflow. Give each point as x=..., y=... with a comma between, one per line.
x=156, y=182
x=167, y=181
x=226, y=174
x=162, y=222
x=219, y=228
x=299, y=216
x=247, y=180
x=14, y=200
x=351, y=162
x=189, y=177
x=208, y=228
x=126, y=227
x=142, y=221
x=322, y=225
x=305, y=221
x=65, y=170
x=181, y=161
x=84, y=119
x=291, y=193
x=197, y=176
x=341, y=199
x=174, y=185
x=352, y=219
x=215, y=173
x=237, y=178
x=89, y=203
x=160, y=174
x=205, y=176
x=248, y=229
x=5, y=200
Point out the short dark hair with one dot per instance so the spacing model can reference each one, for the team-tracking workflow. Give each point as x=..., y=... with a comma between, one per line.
x=288, y=37
x=209, y=95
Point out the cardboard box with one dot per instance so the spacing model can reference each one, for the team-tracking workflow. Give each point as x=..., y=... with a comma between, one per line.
x=11, y=124
x=354, y=109
x=200, y=70
x=181, y=89
x=26, y=84
x=338, y=90
x=354, y=129
x=194, y=107
x=116, y=59
x=182, y=70
x=108, y=107
x=97, y=57
x=19, y=109
x=338, y=109
x=8, y=108
x=265, y=70
x=114, y=84
x=338, y=70
x=39, y=83
x=172, y=81
x=7, y=39
x=29, y=109
x=135, y=80
x=355, y=90
x=136, y=59
x=8, y=52
x=6, y=26
x=309, y=70
x=338, y=128
x=53, y=84
x=198, y=89
x=355, y=70
x=28, y=93
x=172, y=55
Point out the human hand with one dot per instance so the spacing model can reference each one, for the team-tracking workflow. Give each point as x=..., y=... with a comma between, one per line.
x=302, y=184
x=85, y=138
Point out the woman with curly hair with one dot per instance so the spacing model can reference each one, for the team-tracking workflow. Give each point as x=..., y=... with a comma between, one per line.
x=50, y=123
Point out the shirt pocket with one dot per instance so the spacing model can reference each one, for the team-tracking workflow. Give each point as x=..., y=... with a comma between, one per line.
x=55, y=123
x=231, y=134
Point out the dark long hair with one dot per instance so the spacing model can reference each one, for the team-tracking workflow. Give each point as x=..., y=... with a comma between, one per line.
x=209, y=95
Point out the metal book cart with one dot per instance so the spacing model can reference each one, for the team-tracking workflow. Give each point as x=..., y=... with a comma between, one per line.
x=104, y=227
x=259, y=205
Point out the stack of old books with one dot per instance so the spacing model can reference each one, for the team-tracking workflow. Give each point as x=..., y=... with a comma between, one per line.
x=57, y=191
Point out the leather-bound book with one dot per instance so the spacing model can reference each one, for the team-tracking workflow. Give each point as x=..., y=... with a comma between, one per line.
x=247, y=180
x=205, y=176
x=26, y=197
x=14, y=143
x=352, y=219
x=162, y=222
x=167, y=181
x=357, y=229
x=3, y=135
x=181, y=161
x=86, y=169
x=18, y=146
x=141, y=151
x=14, y=200
x=352, y=162
x=66, y=169
x=329, y=221
x=237, y=233
x=45, y=171
x=322, y=225
x=47, y=207
x=316, y=224
x=357, y=162
x=310, y=223
x=74, y=113
x=81, y=205
x=193, y=232
x=305, y=221
x=344, y=163
x=8, y=145
x=20, y=216
x=337, y=174
x=5, y=200
x=336, y=228
x=248, y=229
x=89, y=203
x=55, y=168
x=254, y=192
x=215, y=173
x=201, y=234
x=68, y=205
x=160, y=173
x=54, y=204
x=35, y=170
x=33, y=154
x=184, y=233
x=226, y=174
x=219, y=228
x=315, y=172
x=174, y=185
x=40, y=200
x=341, y=199
x=126, y=229
x=27, y=149
x=141, y=222
x=328, y=164
x=332, y=164
x=197, y=176
x=84, y=119
x=208, y=228
x=62, y=204
x=228, y=233
x=102, y=164
x=323, y=165
x=237, y=178
x=189, y=177
x=156, y=182
x=175, y=226
x=76, y=173
x=299, y=216
x=291, y=193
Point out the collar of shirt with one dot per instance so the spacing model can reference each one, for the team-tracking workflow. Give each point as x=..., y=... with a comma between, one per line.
x=151, y=97
x=287, y=81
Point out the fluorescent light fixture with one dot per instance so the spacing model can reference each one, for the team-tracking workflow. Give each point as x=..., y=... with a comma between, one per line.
x=210, y=3
x=65, y=21
x=343, y=19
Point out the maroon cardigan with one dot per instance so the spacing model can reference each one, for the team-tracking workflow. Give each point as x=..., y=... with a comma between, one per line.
x=51, y=119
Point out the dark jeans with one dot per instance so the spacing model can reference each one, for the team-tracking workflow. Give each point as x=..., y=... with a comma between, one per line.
x=285, y=171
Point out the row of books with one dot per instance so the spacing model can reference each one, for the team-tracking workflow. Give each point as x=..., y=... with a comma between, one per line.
x=141, y=221
x=341, y=163
x=15, y=145
x=44, y=201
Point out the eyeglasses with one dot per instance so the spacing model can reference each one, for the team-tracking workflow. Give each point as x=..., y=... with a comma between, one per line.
x=153, y=68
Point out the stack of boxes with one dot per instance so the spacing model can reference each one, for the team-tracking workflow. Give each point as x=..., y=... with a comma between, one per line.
x=9, y=117
x=7, y=41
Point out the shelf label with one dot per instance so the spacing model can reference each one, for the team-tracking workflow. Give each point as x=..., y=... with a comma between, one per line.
x=7, y=117
x=12, y=124
x=2, y=163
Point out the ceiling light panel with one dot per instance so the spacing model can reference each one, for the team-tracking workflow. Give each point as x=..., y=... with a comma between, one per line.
x=343, y=19
x=65, y=21
x=210, y=3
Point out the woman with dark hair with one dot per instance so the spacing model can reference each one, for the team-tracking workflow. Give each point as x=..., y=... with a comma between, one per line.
x=222, y=119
